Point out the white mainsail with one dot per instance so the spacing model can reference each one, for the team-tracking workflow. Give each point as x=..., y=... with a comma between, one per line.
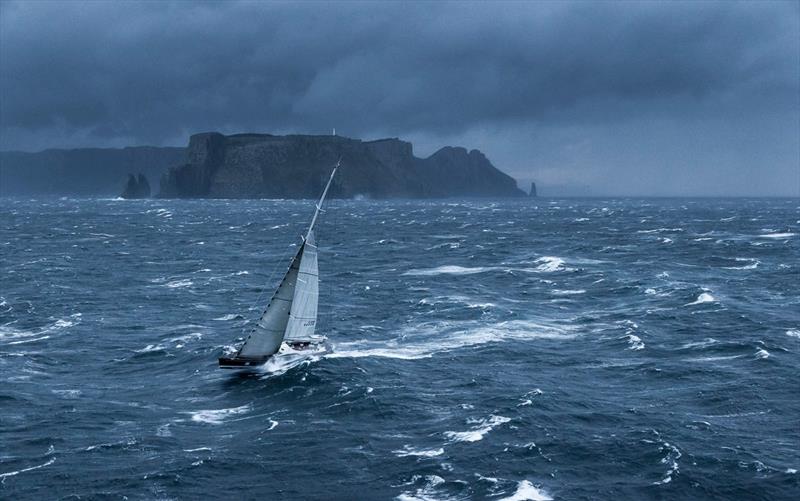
x=291, y=314
x=303, y=315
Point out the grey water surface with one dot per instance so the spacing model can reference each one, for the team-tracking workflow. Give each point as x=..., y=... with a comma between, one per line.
x=484, y=349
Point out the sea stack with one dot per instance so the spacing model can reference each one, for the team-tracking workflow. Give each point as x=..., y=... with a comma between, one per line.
x=136, y=187
x=533, y=190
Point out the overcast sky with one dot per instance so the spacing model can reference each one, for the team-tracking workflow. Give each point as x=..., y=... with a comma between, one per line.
x=695, y=98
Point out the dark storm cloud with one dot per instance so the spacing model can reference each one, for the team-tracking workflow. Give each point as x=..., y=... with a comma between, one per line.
x=105, y=73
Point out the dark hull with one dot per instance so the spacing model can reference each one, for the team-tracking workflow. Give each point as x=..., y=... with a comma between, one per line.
x=240, y=362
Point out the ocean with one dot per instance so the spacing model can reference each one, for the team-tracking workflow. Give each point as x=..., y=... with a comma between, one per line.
x=482, y=349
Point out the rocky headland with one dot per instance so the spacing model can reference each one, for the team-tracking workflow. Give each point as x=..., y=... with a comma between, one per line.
x=296, y=166
x=256, y=166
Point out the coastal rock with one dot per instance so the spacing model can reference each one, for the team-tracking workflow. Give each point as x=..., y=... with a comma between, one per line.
x=296, y=166
x=136, y=187
x=532, y=193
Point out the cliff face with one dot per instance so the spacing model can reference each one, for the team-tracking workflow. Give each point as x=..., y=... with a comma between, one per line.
x=83, y=171
x=296, y=166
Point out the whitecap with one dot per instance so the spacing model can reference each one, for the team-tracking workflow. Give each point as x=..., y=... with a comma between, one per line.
x=568, y=292
x=529, y=400
x=753, y=264
x=68, y=393
x=198, y=449
x=704, y=297
x=449, y=245
x=181, y=340
x=700, y=344
x=229, y=316
x=526, y=491
x=478, y=432
x=217, y=416
x=150, y=348
x=673, y=454
x=793, y=333
x=662, y=230
x=550, y=264
x=109, y=445
x=407, y=450
x=714, y=359
x=634, y=342
x=482, y=306
x=762, y=354
x=448, y=270
x=17, y=472
x=179, y=283
x=778, y=235
x=160, y=212
x=8, y=332
x=31, y=340
x=425, y=493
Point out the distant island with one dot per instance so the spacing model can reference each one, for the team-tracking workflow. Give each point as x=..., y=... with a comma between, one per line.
x=258, y=166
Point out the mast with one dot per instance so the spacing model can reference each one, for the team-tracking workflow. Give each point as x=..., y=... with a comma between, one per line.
x=322, y=199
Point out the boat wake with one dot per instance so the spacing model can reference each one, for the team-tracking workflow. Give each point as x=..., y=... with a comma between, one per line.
x=287, y=359
x=426, y=340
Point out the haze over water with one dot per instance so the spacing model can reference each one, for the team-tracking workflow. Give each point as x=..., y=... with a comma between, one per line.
x=518, y=349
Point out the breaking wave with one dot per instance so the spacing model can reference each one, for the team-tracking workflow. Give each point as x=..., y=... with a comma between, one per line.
x=218, y=416
x=477, y=433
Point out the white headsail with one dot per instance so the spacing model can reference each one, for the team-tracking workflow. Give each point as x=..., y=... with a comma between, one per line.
x=291, y=314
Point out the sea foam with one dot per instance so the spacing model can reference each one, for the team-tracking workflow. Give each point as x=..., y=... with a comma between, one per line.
x=426, y=340
x=526, y=491
x=407, y=450
x=218, y=416
x=704, y=297
x=483, y=427
x=449, y=270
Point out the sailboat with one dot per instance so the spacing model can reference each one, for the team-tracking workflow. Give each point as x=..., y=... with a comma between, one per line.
x=290, y=318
